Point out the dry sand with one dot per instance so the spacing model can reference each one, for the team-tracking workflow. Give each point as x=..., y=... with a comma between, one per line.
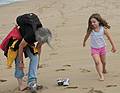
x=67, y=20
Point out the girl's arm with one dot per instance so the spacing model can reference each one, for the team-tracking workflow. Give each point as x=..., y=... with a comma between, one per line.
x=85, y=38
x=109, y=36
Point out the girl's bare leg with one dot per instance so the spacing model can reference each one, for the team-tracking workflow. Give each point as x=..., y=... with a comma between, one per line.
x=103, y=60
x=99, y=66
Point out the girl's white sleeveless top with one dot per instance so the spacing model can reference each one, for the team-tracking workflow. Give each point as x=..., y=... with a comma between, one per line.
x=97, y=38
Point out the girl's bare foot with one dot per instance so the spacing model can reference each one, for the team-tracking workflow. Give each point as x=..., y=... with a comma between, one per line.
x=101, y=78
x=104, y=71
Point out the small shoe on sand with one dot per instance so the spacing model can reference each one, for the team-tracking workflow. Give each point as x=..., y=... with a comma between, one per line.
x=66, y=82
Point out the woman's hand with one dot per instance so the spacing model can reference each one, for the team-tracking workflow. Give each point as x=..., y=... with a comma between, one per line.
x=21, y=65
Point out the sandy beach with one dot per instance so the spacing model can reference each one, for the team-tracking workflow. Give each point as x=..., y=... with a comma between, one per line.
x=67, y=19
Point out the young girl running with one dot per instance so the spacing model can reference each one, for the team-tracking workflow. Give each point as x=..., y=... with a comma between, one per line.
x=97, y=28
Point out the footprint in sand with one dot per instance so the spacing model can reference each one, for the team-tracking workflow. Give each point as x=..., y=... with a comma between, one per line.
x=95, y=91
x=43, y=66
x=2, y=80
x=67, y=65
x=62, y=69
x=115, y=75
x=53, y=53
x=71, y=87
x=27, y=90
x=84, y=70
x=111, y=86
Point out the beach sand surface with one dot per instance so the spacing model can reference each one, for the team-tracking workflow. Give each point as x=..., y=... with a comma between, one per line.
x=67, y=19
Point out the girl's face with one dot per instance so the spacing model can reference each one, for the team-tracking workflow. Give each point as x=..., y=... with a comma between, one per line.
x=94, y=23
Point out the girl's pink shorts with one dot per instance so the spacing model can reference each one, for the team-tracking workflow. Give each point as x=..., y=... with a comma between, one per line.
x=99, y=51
